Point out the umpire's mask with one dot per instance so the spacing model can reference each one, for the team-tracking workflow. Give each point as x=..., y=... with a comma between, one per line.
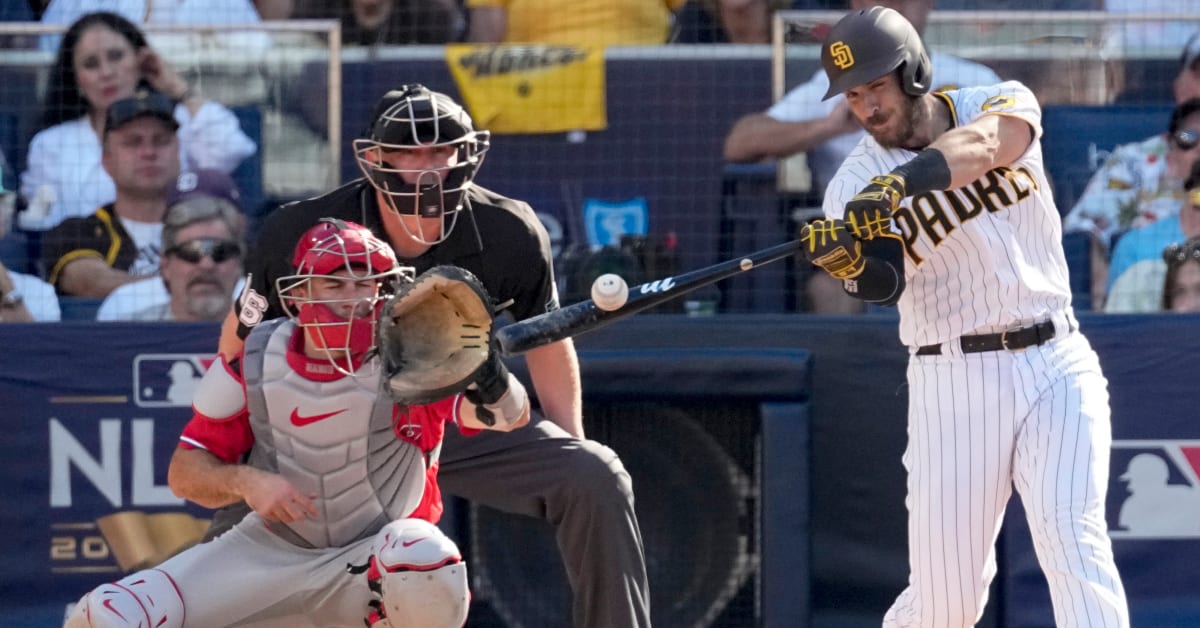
x=395, y=158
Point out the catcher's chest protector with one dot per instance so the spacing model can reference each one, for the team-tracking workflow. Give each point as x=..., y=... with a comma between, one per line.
x=330, y=439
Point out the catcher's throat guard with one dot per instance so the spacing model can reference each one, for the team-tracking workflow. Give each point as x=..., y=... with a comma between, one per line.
x=434, y=336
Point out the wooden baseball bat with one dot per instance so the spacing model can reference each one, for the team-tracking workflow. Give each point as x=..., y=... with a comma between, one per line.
x=584, y=316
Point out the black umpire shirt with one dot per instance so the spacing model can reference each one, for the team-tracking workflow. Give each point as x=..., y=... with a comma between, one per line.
x=498, y=239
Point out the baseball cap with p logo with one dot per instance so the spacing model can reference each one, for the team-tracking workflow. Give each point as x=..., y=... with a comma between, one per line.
x=143, y=103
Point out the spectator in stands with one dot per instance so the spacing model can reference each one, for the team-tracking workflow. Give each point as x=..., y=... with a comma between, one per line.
x=1181, y=287
x=389, y=22
x=23, y=298
x=805, y=122
x=729, y=21
x=121, y=242
x=203, y=241
x=201, y=263
x=1135, y=276
x=578, y=23
x=173, y=12
x=105, y=58
x=1139, y=183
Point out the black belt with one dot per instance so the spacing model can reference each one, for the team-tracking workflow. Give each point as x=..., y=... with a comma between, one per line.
x=1010, y=340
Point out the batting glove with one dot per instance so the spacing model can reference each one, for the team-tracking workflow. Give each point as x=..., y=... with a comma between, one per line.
x=869, y=213
x=828, y=244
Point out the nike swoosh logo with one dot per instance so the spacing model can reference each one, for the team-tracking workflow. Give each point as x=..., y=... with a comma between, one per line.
x=109, y=605
x=412, y=542
x=301, y=421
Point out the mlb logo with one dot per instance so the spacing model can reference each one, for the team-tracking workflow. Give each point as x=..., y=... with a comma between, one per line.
x=606, y=222
x=167, y=380
x=1154, y=490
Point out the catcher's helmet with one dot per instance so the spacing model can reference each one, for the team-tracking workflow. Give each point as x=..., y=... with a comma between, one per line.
x=343, y=327
x=412, y=117
x=868, y=44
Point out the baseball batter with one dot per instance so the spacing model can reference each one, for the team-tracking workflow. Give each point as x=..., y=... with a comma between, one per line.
x=341, y=480
x=944, y=210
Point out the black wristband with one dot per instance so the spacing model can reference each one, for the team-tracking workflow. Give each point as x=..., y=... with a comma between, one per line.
x=927, y=171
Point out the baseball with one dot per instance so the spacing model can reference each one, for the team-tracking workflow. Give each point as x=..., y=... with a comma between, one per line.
x=609, y=292
x=746, y=264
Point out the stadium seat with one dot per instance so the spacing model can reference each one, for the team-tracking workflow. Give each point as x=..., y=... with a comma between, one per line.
x=9, y=149
x=249, y=174
x=1077, y=246
x=14, y=253
x=1078, y=138
x=79, y=308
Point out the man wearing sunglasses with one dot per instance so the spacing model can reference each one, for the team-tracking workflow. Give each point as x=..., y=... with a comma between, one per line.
x=121, y=242
x=203, y=242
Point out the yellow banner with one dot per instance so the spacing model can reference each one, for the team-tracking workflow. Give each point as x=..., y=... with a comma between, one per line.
x=531, y=88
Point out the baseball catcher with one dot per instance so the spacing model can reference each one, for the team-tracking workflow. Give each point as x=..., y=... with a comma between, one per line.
x=342, y=480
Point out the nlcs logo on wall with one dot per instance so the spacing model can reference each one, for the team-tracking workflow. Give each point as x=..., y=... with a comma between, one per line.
x=167, y=379
x=1154, y=490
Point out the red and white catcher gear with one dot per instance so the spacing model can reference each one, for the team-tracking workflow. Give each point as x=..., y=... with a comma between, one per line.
x=420, y=577
x=344, y=328
x=146, y=599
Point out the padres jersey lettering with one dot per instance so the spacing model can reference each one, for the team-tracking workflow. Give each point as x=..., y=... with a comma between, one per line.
x=934, y=215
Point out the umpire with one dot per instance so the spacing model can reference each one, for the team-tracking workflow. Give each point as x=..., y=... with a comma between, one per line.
x=420, y=157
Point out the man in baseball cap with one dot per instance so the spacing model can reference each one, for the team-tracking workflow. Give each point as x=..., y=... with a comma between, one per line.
x=121, y=242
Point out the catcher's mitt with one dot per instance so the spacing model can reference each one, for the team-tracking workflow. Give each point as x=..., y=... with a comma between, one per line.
x=434, y=335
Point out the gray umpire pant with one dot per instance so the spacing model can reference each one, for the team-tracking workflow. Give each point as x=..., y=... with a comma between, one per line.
x=582, y=489
x=579, y=487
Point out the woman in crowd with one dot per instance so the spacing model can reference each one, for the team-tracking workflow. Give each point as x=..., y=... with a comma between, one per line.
x=1181, y=288
x=104, y=58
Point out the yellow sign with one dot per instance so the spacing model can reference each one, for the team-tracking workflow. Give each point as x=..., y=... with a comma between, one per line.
x=531, y=88
x=842, y=57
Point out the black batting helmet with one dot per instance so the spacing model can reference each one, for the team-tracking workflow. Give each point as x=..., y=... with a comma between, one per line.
x=868, y=44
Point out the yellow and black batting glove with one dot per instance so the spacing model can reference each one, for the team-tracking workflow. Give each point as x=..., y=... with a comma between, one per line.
x=869, y=213
x=828, y=244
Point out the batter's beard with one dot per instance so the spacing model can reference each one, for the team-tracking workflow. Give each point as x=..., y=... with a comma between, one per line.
x=902, y=136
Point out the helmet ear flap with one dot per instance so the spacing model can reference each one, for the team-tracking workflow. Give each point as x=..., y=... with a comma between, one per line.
x=916, y=74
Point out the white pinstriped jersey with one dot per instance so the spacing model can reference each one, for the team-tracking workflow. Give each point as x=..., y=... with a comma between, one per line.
x=981, y=258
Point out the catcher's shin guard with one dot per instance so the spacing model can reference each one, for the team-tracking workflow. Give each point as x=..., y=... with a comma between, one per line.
x=145, y=598
x=422, y=578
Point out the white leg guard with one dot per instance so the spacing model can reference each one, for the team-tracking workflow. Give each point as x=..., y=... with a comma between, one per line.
x=422, y=575
x=146, y=599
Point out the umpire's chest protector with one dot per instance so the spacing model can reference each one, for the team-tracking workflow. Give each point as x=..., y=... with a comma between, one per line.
x=332, y=439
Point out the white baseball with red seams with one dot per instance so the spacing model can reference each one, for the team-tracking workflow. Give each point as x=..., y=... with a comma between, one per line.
x=609, y=292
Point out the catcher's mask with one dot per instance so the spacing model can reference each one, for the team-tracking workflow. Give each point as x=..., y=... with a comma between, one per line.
x=870, y=43
x=341, y=325
x=414, y=117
